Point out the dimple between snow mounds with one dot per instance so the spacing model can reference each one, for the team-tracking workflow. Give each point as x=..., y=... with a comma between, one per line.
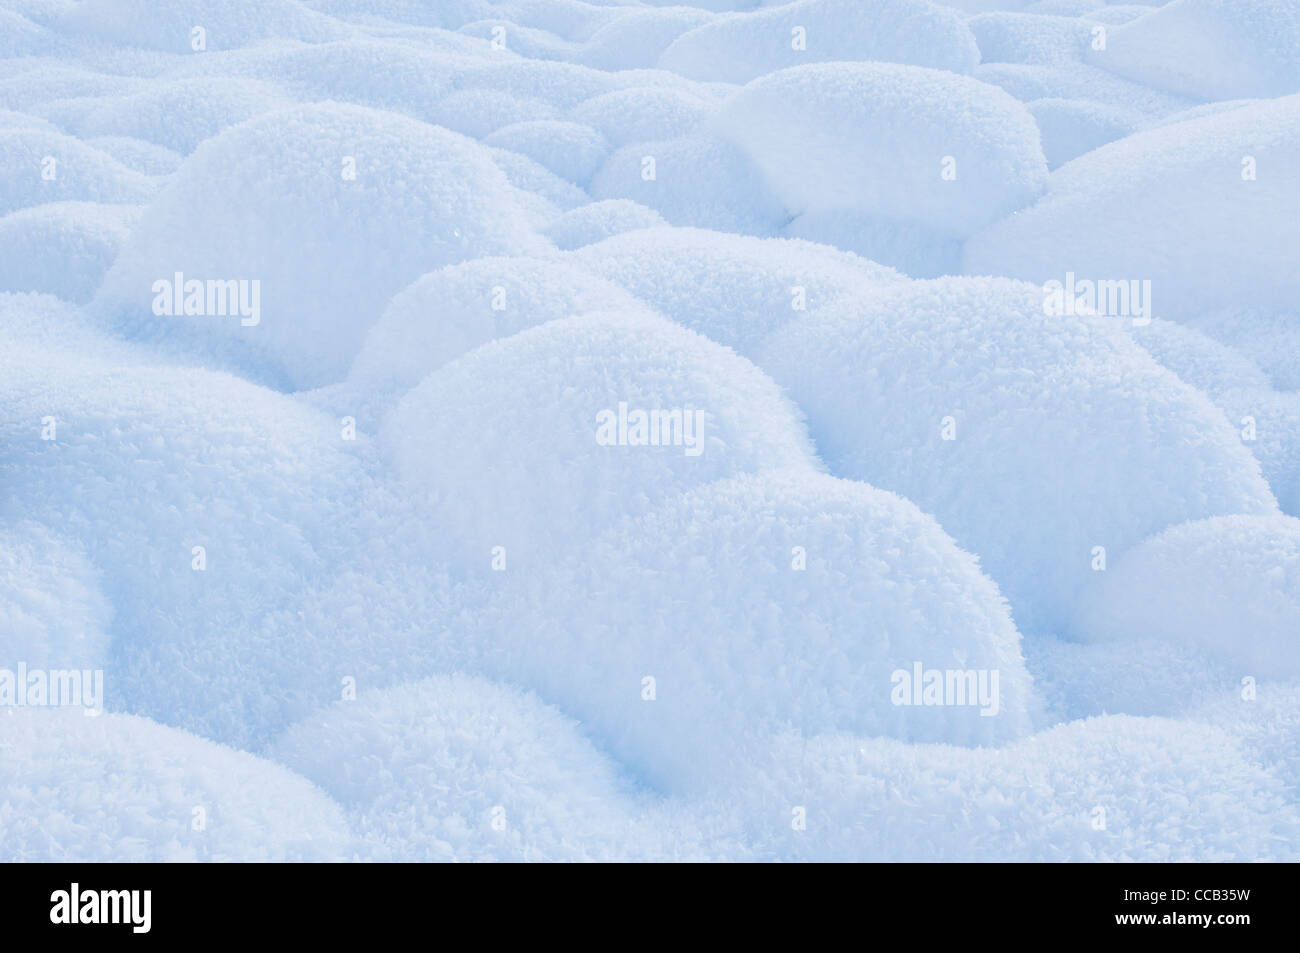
x=733, y=289
x=1122, y=213
x=760, y=603
x=62, y=248
x=590, y=223
x=743, y=46
x=461, y=769
x=944, y=152
x=52, y=612
x=224, y=25
x=1032, y=439
x=332, y=209
x=535, y=442
x=38, y=167
x=1115, y=788
x=207, y=505
x=454, y=310
x=122, y=789
x=1210, y=49
x=1229, y=586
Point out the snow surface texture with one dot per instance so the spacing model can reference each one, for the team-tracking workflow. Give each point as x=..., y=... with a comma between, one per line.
x=567, y=430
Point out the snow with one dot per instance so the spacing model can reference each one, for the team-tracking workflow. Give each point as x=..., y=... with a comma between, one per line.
x=744, y=46
x=876, y=137
x=590, y=223
x=62, y=248
x=734, y=289
x=602, y=430
x=546, y=389
x=1121, y=447
x=406, y=177
x=1200, y=580
x=1120, y=212
x=815, y=648
x=1210, y=49
x=130, y=790
x=464, y=769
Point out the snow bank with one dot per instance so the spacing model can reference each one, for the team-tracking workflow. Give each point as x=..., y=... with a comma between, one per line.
x=825, y=589
x=1210, y=49
x=1062, y=434
x=1229, y=586
x=733, y=289
x=461, y=769
x=62, y=248
x=556, y=396
x=745, y=46
x=879, y=138
x=1122, y=213
x=122, y=789
x=332, y=209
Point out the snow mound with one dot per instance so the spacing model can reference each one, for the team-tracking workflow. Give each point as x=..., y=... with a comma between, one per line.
x=1271, y=338
x=733, y=289
x=1229, y=586
x=569, y=149
x=644, y=114
x=901, y=142
x=225, y=26
x=826, y=591
x=912, y=248
x=745, y=46
x=206, y=504
x=450, y=312
x=637, y=38
x=176, y=115
x=570, y=405
x=122, y=789
x=1210, y=49
x=980, y=390
x=460, y=769
x=1030, y=38
x=1108, y=789
x=699, y=181
x=38, y=167
x=63, y=248
x=1030, y=81
x=596, y=221
x=331, y=209
x=51, y=609
x=1122, y=213
x=1198, y=359
x=1265, y=720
